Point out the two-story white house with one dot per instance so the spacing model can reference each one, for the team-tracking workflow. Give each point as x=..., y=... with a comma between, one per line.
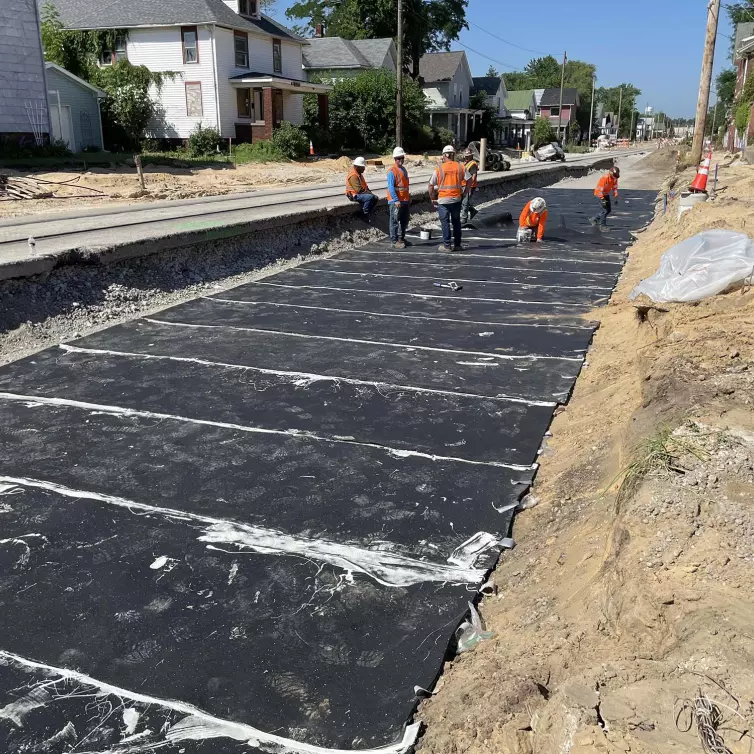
x=235, y=69
x=447, y=83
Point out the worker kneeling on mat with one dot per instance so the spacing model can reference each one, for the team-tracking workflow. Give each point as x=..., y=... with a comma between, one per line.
x=398, y=199
x=357, y=189
x=448, y=187
x=533, y=220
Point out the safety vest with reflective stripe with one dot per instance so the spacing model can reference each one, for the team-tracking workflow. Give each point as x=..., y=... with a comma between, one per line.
x=401, y=185
x=472, y=166
x=450, y=180
x=607, y=184
x=355, y=183
x=531, y=219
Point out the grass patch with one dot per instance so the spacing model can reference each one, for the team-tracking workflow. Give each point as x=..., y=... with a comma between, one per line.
x=659, y=454
x=259, y=151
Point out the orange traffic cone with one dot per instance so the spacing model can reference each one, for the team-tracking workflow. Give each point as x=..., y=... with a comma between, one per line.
x=311, y=149
x=699, y=185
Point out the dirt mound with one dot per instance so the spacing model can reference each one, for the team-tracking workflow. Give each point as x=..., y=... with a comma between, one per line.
x=629, y=594
x=661, y=159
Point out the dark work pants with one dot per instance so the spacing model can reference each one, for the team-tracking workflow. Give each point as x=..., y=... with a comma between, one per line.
x=606, y=207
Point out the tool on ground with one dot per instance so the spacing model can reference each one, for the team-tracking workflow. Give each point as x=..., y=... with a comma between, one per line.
x=699, y=184
x=452, y=285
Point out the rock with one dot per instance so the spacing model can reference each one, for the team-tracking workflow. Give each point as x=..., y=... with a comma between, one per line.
x=734, y=354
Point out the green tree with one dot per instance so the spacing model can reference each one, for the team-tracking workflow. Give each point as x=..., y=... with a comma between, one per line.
x=543, y=132
x=492, y=71
x=429, y=25
x=610, y=97
x=362, y=111
x=517, y=80
x=544, y=72
x=487, y=126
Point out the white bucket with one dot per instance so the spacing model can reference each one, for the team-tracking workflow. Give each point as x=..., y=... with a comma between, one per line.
x=689, y=200
x=425, y=234
x=524, y=235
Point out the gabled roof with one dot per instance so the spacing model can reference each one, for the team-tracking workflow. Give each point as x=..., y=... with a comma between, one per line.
x=55, y=67
x=521, y=99
x=440, y=66
x=131, y=14
x=538, y=96
x=327, y=53
x=488, y=84
x=551, y=97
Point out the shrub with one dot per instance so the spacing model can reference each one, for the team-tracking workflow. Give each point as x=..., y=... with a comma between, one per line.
x=543, y=133
x=446, y=136
x=204, y=141
x=290, y=140
x=259, y=151
x=18, y=151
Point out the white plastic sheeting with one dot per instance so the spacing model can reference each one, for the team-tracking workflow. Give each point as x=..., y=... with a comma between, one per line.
x=699, y=267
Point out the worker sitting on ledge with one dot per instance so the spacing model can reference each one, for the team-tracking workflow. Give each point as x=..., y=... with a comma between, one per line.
x=534, y=218
x=357, y=189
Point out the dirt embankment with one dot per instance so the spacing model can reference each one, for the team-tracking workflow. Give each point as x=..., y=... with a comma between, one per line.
x=623, y=602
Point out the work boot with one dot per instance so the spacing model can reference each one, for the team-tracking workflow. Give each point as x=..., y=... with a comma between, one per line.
x=593, y=221
x=406, y=243
x=458, y=247
x=399, y=245
x=442, y=247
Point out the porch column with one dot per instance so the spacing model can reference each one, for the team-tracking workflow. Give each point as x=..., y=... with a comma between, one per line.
x=268, y=112
x=323, y=111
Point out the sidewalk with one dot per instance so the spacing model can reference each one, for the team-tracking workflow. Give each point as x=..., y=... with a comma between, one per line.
x=120, y=232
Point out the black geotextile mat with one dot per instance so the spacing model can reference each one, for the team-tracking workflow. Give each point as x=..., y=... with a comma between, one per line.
x=234, y=534
x=517, y=339
x=443, y=424
x=532, y=378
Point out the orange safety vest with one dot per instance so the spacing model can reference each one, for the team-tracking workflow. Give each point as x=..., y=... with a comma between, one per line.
x=607, y=184
x=401, y=185
x=450, y=180
x=469, y=165
x=355, y=183
x=531, y=219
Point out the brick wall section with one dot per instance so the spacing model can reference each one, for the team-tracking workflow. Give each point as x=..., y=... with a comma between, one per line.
x=22, y=77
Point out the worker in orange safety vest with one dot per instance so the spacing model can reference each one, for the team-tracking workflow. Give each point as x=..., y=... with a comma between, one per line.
x=398, y=199
x=357, y=190
x=472, y=167
x=448, y=186
x=606, y=186
x=534, y=217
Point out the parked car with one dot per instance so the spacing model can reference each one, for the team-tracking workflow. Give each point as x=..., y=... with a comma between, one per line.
x=496, y=160
x=551, y=152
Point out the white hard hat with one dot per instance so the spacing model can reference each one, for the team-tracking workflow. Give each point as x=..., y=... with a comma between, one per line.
x=398, y=152
x=360, y=162
x=538, y=204
x=449, y=149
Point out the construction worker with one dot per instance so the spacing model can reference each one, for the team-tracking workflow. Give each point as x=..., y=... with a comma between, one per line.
x=534, y=217
x=398, y=199
x=607, y=185
x=358, y=191
x=448, y=187
x=472, y=168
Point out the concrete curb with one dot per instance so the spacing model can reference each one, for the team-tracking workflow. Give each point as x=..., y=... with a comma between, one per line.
x=491, y=186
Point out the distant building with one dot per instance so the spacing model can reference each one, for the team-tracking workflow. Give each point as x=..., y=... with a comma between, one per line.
x=495, y=94
x=522, y=109
x=548, y=106
x=447, y=82
x=743, y=55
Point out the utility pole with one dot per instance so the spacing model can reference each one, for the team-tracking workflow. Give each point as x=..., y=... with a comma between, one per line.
x=702, y=105
x=399, y=81
x=562, y=84
x=714, y=121
x=591, y=115
x=620, y=111
x=632, y=134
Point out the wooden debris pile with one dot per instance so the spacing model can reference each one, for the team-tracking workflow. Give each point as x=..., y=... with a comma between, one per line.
x=17, y=187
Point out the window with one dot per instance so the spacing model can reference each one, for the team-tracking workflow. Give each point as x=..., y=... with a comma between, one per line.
x=120, y=48
x=194, y=99
x=243, y=100
x=554, y=111
x=277, y=56
x=241, y=42
x=190, y=41
x=108, y=57
x=247, y=7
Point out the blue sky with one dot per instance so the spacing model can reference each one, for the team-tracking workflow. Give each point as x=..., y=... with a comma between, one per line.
x=655, y=44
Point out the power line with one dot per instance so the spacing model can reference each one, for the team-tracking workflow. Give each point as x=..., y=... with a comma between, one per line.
x=506, y=41
x=493, y=60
